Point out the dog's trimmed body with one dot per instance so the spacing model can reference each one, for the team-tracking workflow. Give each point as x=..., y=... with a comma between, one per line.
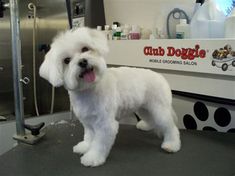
x=99, y=96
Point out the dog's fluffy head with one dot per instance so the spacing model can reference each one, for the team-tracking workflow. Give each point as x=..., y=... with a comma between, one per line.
x=76, y=59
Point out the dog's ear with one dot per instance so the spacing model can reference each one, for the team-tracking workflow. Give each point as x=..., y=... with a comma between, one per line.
x=100, y=42
x=51, y=69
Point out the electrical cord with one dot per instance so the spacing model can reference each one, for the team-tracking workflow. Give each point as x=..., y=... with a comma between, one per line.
x=175, y=12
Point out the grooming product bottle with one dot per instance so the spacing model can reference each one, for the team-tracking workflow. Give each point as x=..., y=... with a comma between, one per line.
x=182, y=29
x=108, y=32
x=208, y=21
x=114, y=28
x=125, y=32
x=117, y=34
x=152, y=37
x=197, y=5
x=99, y=28
x=134, y=33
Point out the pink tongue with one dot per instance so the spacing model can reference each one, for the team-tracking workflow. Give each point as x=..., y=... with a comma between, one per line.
x=89, y=76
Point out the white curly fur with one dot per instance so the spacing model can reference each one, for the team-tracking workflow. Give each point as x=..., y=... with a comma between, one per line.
x=99, y=102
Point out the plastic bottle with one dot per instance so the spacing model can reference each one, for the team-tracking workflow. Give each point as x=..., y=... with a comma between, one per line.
x=99, y=28
x=124, y=34
x=108, y=32
x=134, y=33
x=197, y=5
x=114, y=28
x=152, y=37
x=208, y=21
x=182, y=30
x=230, y=25
x=117, y=34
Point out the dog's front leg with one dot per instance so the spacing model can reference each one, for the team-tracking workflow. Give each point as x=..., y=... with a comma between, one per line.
x=83, y=146
x=105, y=131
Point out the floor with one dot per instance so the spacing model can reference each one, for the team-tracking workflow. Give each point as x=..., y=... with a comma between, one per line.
x=8, y=128
x=135, y=153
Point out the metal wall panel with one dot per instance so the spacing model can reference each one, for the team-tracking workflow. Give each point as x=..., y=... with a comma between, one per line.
x=51, y=18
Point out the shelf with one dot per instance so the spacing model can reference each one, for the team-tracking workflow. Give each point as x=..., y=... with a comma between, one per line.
x=181, y=55
x=181, y=62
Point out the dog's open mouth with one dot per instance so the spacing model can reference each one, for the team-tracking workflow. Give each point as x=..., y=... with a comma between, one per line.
x=88, y=74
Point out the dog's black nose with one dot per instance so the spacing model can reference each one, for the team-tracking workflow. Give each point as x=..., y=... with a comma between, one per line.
x=83, y=63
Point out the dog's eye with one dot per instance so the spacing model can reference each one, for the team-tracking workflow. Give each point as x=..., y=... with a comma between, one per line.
x=67, y=60
x=85, y=49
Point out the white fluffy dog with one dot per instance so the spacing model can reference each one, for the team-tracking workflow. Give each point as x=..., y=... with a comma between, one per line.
x=99, y=95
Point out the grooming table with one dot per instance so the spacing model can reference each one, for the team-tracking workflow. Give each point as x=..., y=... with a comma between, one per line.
x=135, y=153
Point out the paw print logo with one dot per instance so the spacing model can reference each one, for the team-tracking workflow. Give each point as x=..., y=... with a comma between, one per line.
x=222, y=118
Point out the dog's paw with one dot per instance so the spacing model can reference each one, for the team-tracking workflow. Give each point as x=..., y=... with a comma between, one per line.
x=81, y=147
x=142, y=125
x=171, y=146
x=92, y=159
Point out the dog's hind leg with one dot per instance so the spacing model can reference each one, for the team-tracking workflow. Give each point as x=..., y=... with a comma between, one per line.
x=145, y=123
x=166, y=127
